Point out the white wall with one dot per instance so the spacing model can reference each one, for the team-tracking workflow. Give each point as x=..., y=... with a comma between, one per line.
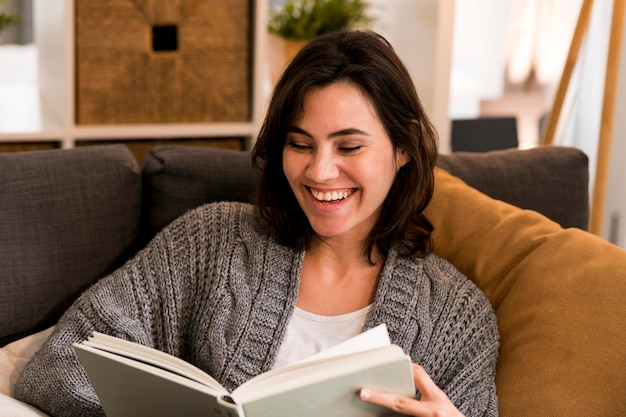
x=421, y=33
x=478, y=55
x=583, y=113
x=614, y=226
x=583, y=108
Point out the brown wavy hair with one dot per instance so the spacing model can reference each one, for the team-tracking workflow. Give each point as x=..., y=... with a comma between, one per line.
x=366, y=60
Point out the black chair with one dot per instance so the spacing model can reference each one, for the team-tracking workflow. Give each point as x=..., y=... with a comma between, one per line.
x=484, y=134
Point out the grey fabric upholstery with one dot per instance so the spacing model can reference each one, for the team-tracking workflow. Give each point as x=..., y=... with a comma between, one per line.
x=552, y=180
x=177, y=179
x=70, y=216
x=67, y=218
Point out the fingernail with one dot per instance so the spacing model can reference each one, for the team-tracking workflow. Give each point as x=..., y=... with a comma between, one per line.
x=364, y=394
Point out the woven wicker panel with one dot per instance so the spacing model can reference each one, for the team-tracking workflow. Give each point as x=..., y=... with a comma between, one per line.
x=120, y=78
x=141, y=147
x=28, y=146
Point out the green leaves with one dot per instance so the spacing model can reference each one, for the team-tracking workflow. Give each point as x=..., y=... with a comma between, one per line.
x=8, y=19
x=306, y=19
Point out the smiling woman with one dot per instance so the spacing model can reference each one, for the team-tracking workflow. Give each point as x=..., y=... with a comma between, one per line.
x=336, y=243
x=347, y=156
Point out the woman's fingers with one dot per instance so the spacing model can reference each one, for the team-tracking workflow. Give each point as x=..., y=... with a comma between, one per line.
x=433, y=402
x=395, y=402
x=424, y=383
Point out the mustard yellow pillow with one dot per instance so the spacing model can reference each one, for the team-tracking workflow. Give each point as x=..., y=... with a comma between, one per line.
x=559, y=296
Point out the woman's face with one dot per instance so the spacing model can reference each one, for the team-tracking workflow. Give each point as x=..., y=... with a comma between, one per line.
x=340, y=162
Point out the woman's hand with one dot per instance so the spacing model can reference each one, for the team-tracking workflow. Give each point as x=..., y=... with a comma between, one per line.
x=434, y=402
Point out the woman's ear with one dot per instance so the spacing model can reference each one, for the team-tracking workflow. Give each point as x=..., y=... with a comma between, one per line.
x=402, y=157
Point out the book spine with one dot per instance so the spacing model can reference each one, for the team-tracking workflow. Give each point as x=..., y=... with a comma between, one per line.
x=229, y=408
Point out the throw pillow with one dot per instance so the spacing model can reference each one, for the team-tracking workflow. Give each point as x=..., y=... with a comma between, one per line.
x=558, y=296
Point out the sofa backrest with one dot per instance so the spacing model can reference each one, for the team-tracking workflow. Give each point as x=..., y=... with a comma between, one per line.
x=71, y=216
x=551, y=180
x=179, y=178
x=67, y=218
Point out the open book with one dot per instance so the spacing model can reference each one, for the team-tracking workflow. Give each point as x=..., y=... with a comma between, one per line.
x=135, y=380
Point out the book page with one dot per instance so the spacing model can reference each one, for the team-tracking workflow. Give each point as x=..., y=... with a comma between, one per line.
x=368, y=348
x=312, y=372
x=150, y=356
x=337, y=394
x=373, y=338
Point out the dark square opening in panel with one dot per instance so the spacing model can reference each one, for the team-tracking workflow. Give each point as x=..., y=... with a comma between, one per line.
x=164, y=38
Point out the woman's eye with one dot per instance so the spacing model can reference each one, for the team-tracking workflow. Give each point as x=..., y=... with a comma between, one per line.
x=298, y=146
x=349, y=149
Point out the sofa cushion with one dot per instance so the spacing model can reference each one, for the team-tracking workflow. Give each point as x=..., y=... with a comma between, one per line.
x=177, y=179
x=67, y=217
x=552, y=180
x=558, y=296
x=15, y=355
x=14, y=408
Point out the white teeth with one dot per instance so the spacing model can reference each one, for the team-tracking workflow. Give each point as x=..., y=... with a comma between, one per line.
x=330, y=196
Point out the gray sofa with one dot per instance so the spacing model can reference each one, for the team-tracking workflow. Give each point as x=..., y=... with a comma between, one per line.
x=70, y=217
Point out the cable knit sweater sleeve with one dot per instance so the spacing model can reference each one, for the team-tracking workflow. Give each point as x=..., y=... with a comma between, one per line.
x=447, y=326
x=464, y=343
x=144, y=301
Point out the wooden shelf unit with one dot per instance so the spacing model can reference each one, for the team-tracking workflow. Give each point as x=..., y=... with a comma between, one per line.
x=42, y=115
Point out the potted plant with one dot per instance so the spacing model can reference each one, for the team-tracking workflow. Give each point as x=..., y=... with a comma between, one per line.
x=295, y=22
x=306, y=19
x=7, y=19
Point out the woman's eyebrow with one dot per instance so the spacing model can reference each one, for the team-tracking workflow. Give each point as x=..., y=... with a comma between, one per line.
x=339, y=133
x=348, y=132
x=296, y=129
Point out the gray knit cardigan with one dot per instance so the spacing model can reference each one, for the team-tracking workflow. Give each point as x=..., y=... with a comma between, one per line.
x=215, y=290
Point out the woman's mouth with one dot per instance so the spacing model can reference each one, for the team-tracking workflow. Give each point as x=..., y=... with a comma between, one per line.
x=330, y=195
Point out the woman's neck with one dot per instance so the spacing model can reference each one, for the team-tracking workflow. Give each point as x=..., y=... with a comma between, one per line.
x=342, y=251
x=337, y=279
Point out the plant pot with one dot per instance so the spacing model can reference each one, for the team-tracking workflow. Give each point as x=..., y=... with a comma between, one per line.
x=281, y=52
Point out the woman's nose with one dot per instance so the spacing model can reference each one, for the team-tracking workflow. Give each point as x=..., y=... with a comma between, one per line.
x=322, y=168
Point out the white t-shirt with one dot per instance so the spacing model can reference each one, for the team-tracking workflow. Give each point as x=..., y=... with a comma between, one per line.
x=308, y=333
